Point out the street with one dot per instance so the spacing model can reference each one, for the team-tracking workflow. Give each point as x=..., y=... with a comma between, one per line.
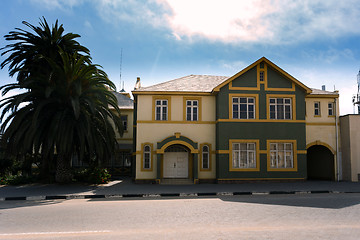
x=297, y=216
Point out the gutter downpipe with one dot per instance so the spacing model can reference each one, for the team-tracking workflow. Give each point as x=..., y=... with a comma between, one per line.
x=338, y=175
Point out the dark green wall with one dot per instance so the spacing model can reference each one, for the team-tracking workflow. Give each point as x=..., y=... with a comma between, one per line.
x=277, y=80
x=248, y=79
x=262, y=130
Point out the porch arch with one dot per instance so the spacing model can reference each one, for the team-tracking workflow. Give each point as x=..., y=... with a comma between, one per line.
x=320, y=161
x=177, y=139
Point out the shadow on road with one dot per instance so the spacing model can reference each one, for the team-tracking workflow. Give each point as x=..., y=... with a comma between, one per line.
x=19, y=204
x=330, y=201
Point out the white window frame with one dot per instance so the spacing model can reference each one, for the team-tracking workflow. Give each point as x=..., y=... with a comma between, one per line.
x=147, y=157
x=317, y=109
x=192, y=110
x=280, y=109
x=161, y=109
x=205, y=157
x=244, y=155
x=331, y=109
x=281, y=155
x=248, y=102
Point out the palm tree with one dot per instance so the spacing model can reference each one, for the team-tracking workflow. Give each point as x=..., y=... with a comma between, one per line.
x=65, y=110
x=27, y=55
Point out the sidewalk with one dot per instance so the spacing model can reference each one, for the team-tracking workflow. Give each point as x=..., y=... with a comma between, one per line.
x=127, y=189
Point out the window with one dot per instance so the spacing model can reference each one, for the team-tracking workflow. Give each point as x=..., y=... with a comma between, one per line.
x=261, y=76
x=281, y=155
x=280, y=108
x=124, y=122
x=331, y=109
x=317, y=109
x=243, y=108
x=205, y=157
x=244, y=155
x=161, y=109
x=192, y=107
x=147, y=157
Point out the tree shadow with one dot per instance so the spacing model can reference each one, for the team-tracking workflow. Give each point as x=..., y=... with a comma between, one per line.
x=329, y=201
x=28, y=203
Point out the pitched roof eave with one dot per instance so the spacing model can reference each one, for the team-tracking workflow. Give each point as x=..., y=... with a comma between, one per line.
x=300, y=84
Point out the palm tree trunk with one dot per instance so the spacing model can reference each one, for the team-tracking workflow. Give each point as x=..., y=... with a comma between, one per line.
x=63, y=170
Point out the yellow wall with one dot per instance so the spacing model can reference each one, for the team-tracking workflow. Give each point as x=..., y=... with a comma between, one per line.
x=128, y=134
x=321, y=130
x=150, y=131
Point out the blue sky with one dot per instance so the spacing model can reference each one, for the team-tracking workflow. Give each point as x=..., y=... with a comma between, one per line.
x=316, y=41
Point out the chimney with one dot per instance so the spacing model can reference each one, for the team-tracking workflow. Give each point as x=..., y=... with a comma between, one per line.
x=137, y=84
x=323, y=88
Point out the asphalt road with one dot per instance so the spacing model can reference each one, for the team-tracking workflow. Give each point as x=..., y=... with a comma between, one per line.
x=308, y=216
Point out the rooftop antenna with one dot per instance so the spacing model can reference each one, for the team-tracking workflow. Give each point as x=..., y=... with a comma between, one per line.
x=120, y=68
x=356, y=97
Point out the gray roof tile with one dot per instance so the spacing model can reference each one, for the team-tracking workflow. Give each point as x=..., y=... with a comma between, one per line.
x=322, y=92
x=191, y=83
x=123, y=101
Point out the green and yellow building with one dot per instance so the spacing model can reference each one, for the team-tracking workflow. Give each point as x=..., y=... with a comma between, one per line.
x=259, y=124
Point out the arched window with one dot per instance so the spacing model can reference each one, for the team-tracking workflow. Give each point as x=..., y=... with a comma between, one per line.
x=147, y=157
x=205, y=157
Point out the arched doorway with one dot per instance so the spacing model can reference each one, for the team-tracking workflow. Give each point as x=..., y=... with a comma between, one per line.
x=176, y=162
x=320, y=163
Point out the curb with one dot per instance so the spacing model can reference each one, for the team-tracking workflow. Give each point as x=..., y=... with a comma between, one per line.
x=166, y=195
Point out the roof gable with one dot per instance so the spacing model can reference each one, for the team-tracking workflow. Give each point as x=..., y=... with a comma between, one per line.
x=269, y=63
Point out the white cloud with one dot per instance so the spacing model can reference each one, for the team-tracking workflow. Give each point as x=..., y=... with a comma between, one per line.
x=275, y=21
x=232, y=21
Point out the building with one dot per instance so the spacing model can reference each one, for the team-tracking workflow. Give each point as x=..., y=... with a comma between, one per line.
x=120, y=164
x=350, y=138
x=259, y=124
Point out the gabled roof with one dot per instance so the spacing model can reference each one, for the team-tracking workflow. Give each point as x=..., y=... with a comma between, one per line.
x=268, y=62
x=124, y=102
x=191, y=83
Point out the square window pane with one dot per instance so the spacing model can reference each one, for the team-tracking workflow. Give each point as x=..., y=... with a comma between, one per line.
x=280, y=146
x=272, y=100
x=243, y=146
x=243, y=107
x=158, y=102
x=273, y=160
x=272, y=146
x=243, y=100
x=251, y=146
x=188, y=103
x=235, y=100
x=251, y=100
x=243, y=115
x=281, y=160
x=195, y=103
x=287, y=100
x=288, y=146
x=236, y=146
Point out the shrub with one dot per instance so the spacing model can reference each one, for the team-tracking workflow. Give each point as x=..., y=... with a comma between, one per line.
x=93, y=175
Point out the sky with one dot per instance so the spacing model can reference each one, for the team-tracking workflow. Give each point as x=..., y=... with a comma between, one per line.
x=315, y=41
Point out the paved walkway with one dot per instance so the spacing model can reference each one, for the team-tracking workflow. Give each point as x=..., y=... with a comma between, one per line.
x=126, y=188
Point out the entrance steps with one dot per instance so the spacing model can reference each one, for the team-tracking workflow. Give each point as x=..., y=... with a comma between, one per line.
x=176, y=181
